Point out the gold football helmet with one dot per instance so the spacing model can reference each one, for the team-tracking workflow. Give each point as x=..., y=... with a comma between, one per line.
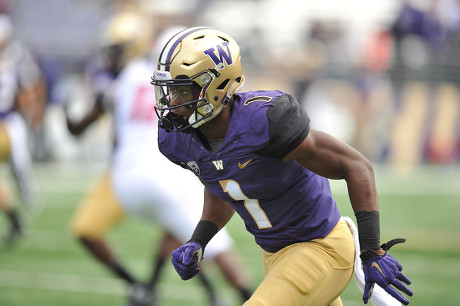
x=203, y=61
x=124, y=36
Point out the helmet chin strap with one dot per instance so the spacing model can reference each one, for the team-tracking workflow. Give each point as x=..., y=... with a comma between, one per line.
x=196, y=116
x=166, y=124
x=231, y=91
x=195, y=120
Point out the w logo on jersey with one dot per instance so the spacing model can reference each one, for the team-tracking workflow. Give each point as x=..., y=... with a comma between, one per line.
x=219, y=55
x=219, y=164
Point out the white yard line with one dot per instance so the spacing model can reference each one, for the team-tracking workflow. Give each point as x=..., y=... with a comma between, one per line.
x=87, y=284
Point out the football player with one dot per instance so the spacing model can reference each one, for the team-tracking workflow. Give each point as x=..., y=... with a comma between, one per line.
x=141, y=174
x=134, y=185
x=22, y=98
x=256, y=155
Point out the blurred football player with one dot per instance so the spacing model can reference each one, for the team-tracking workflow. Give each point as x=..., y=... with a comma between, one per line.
x=134, y=185
x=21, y=102
x=256, y=155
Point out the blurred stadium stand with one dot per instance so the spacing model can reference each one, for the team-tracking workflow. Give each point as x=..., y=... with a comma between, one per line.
x=382, y=77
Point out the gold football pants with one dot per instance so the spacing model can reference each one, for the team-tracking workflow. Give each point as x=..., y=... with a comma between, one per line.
x=309, y=273
x=99, y=211
x=5, y=145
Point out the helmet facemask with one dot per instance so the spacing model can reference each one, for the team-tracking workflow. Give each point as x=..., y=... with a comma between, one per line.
x=167, y=89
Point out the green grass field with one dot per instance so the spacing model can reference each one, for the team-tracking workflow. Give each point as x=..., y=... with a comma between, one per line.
x=48, y=268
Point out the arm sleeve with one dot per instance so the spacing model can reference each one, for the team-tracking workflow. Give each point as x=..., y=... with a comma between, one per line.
x=288, y=126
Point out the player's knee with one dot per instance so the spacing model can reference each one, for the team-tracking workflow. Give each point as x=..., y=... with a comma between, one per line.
x=83, y=230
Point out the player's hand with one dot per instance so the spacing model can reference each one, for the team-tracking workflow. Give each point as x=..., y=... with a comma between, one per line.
x=385, y=271
x=185, y=259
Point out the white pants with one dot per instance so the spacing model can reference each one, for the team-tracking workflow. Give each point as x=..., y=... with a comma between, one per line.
x=168, y=195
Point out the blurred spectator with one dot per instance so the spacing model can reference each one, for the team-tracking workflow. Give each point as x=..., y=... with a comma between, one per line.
x=426, y=40
x=319, y=69
x=417, y=36
x=373, y=106
x=322, y=44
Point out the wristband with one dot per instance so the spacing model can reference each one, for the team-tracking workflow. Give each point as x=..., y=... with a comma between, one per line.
x=204, y=232
x=368, y=229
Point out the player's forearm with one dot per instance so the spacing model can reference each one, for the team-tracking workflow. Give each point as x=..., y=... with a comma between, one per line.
x=216, y=210
x=216, y=214
x=364, y=200
x=76, y=128
x=361, y=185
x=204, y=232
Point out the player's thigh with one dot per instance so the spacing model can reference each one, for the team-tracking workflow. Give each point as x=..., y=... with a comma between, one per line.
x=98, y=212
x=274, y=292
x=5, y=145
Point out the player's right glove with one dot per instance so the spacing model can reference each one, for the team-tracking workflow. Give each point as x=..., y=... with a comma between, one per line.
x=384, y=270
x=185, y=259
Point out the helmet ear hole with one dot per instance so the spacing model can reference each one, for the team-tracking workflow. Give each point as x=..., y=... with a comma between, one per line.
x=223, y=84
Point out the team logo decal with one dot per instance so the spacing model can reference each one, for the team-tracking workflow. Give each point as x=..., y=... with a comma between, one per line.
x=219, y=55
x=194, y=166
x=219, y=164
x=243, y=165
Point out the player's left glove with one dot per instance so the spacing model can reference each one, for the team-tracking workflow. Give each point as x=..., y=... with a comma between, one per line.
x=384, y=270
x=185, y=259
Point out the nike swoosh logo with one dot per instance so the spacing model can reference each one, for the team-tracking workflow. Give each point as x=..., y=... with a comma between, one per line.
x=244, y=165
x=374, y=264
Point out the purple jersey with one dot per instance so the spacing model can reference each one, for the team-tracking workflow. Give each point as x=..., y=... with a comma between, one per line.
x=281, y=203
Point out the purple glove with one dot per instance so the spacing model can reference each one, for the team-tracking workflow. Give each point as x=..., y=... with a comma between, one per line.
x=385, y=271
x=185, y=259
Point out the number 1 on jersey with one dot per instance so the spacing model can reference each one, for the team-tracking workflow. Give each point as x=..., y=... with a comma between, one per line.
x=252, y=205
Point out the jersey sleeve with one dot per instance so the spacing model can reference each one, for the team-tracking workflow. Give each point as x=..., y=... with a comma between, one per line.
x=288, y=126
